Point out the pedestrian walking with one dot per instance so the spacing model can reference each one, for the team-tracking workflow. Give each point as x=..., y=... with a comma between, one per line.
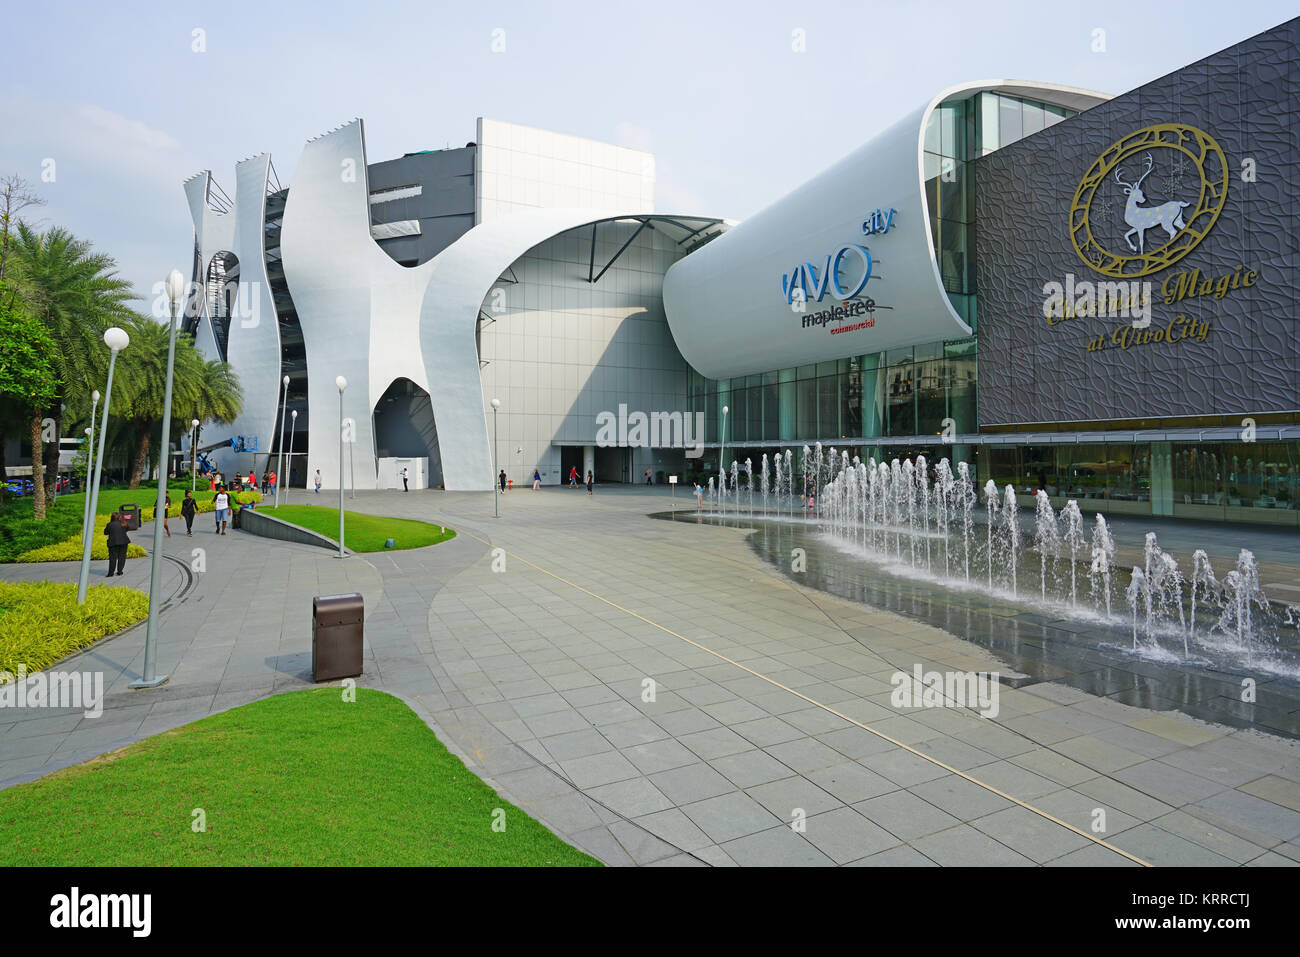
x=167, y=504
x=537, y=479
x=265, y=483
x=188, y=509
x=649, y=479
x=588, y=483
x=252, y=480
x=699, y=498
x=222, y=504
x=573, y=477
x=405, y=486
x=272, y=492
x=318, y=481
x=118, y=540
x=502, y=479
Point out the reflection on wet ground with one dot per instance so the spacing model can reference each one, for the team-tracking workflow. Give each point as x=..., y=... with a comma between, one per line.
x=1092, y=655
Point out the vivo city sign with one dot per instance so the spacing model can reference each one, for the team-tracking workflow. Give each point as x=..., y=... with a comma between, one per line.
x=806, y=286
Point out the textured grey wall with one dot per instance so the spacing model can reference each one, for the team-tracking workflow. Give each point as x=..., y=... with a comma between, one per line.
x=1031, y=371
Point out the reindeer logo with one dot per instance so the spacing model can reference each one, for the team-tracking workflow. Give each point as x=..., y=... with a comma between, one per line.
x=1168, y=215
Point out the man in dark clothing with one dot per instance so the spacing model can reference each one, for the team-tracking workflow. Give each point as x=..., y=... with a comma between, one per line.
x=117, y=542
x=188, y=509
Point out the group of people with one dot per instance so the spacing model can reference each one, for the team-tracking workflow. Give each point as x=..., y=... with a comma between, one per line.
x=537, y=479
x=573, y=478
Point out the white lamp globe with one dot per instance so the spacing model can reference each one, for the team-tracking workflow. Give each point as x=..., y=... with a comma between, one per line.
x=341, y=382
x=175, y=287
x=116, y=339
x=496, y=403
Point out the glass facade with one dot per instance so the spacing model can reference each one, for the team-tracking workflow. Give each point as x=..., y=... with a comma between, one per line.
x=896, y=404
x=909, y=392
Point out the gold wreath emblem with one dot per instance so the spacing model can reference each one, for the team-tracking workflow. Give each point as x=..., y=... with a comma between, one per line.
x=1195, y=220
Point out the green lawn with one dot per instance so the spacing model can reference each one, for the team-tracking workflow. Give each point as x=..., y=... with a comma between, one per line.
x=19, y=532
x=41, y=622
x=362, y=533
x=301, y=779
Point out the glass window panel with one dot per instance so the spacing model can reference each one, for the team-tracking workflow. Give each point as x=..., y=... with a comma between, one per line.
x=901, y=396
x=933, y=138
x=1009, y=123
x=828, y=406
x=952, y=192
x=1031, y=116
x=807, y=410
x=988, y=122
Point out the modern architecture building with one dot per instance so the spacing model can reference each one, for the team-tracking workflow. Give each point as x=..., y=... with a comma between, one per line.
x=1088, y=295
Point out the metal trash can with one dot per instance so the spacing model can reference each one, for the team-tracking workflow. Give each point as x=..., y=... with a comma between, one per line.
x=130, y=517
x=337, y=626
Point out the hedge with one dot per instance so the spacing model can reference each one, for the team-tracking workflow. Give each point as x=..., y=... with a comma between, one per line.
x=41, y=622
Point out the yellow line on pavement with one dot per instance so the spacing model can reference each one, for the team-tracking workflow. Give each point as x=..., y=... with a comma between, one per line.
x=827, y=708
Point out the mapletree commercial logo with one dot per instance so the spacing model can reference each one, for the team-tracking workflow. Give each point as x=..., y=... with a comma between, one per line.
x=1178, y=218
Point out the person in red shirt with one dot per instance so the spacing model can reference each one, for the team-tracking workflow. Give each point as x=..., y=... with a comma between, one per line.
x=271, y=479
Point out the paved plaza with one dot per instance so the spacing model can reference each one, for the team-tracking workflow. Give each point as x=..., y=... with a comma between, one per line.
x=530, y=644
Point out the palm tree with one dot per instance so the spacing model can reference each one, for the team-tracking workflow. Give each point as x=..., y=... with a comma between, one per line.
x=76, y=294
x=200, y=390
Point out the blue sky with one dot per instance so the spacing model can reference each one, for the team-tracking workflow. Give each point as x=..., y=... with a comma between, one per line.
x=116, y=96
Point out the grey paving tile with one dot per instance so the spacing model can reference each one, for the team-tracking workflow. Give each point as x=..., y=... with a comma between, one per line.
x=775, y=847
x=905, y=815
x=964, y=846
x=749, y=768
x=632, y=798
x=729, y=816
x=693, y=782
x=844, y=835
x=1030, y=834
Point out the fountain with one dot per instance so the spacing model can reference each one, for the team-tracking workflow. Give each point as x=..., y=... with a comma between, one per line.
x=897, y=512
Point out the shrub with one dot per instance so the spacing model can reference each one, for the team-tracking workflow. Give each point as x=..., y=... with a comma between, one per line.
x=69, y=550
x=41, y=622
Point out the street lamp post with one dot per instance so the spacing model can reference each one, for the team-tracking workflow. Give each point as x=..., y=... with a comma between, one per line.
x=279, y=476
x=496, y=486
x=342, y=383
x=90, y=455
x=116, y=339
x=194, y=454
x=175, y=290
x=352, y=467
x=293, y=427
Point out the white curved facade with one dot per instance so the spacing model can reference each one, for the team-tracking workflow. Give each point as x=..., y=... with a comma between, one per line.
x=730, y=310
x=381, y=323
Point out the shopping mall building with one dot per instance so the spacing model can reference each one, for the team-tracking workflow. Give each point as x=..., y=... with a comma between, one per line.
x=1091, y=295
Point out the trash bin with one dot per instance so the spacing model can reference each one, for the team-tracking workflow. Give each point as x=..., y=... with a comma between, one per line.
x=337, y=625
x=130, y=517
